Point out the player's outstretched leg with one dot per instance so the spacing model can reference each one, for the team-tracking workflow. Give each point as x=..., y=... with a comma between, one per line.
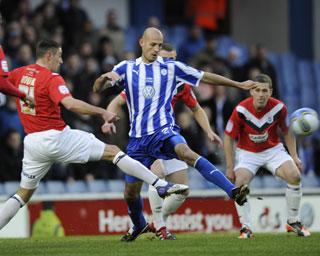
x=10, y=208
x=211, y=173
x=134, y=168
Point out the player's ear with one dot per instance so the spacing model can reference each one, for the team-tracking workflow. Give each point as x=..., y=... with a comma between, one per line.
x=141, y=42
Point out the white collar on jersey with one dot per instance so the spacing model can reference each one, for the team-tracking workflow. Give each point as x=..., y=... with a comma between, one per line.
x=159, y=59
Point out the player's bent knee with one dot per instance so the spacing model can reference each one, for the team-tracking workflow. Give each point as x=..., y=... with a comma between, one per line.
x=294, y=179
x=186, y=154
x=110, y=151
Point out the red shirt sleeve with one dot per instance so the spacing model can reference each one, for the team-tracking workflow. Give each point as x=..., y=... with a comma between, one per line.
x=3, y=64
x=188, y=97
x=284, y=120
x=233, y=125
x=58, y=89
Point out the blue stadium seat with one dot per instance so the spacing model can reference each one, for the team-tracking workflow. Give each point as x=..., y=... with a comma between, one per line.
x=77, y=186
x=2, y=192
x=145, y=187
x=307, y=82
x=196, y=181
x=41, y=189
x=55, y=187
x=176, y=35
x=131, y=39
x=97, y=186
x=316, y=68
x=115, y=185
x=289, y=81
x=309, y=182
x=10, y=187
x=273, y=182
x=257, y=182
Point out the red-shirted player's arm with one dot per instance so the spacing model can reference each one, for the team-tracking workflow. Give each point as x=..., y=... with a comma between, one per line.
x=59, y=93
x=288, y=137
x=231, y=133
x=116, y=104
x=284, y=120
x=232, y=127
x=8, y=88
x=188, y=97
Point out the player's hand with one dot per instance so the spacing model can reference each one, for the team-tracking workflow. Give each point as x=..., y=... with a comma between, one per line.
x=213, y=137
x=105, y=80
x=230, y=175
x=108, y=128
x=247, y=85
x=298, y=163
x=29, y=101
x=110, y=117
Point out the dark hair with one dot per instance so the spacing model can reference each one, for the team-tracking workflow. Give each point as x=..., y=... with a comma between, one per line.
x=167, y=47
x=263, y=78
x=44, y=46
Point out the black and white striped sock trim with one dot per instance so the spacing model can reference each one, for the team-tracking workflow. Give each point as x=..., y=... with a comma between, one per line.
x=19, y=199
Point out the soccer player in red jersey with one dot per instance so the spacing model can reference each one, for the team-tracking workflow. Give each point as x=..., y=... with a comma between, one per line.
x=255, y=124
x=5, y=86
x=173, y=170
x=50, y=140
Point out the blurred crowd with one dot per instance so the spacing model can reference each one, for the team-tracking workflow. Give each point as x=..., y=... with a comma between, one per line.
x=89, y=51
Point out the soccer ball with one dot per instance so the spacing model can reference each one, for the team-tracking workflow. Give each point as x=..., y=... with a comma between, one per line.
x=304, y=121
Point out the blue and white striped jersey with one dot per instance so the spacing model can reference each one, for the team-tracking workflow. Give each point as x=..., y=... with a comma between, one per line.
x=149, y=90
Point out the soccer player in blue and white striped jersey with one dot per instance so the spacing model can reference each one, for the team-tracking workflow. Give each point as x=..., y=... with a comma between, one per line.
x=150, y=83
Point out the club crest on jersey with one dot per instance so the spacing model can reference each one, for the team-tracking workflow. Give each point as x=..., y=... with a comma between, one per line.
x=270, y=120
x=148, y=92
x=164, y=72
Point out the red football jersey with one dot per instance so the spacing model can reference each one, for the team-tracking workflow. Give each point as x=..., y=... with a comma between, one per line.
x=47, y=89
x=257, y=131
x=184, y=93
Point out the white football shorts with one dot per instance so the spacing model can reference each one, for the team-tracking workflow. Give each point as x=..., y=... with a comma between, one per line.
x=271, y=159
x=42, y=149
x=173, y=165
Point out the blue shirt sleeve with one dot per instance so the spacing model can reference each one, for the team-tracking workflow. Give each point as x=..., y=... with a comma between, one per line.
x=121, y=68
x=187, y=74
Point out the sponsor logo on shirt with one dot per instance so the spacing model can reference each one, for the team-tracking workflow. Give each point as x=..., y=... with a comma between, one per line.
x=148, y=92
x=4, y=66
x=63, y=89
x=259, y=138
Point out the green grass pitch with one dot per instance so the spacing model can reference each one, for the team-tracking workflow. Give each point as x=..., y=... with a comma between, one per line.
x=186, y=244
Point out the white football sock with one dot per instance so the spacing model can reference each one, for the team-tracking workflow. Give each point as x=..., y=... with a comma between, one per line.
x=293, y=198
x=9, y=209
x=135, y=168
x=171, y=204
x=244, y=213
x=156, y=207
